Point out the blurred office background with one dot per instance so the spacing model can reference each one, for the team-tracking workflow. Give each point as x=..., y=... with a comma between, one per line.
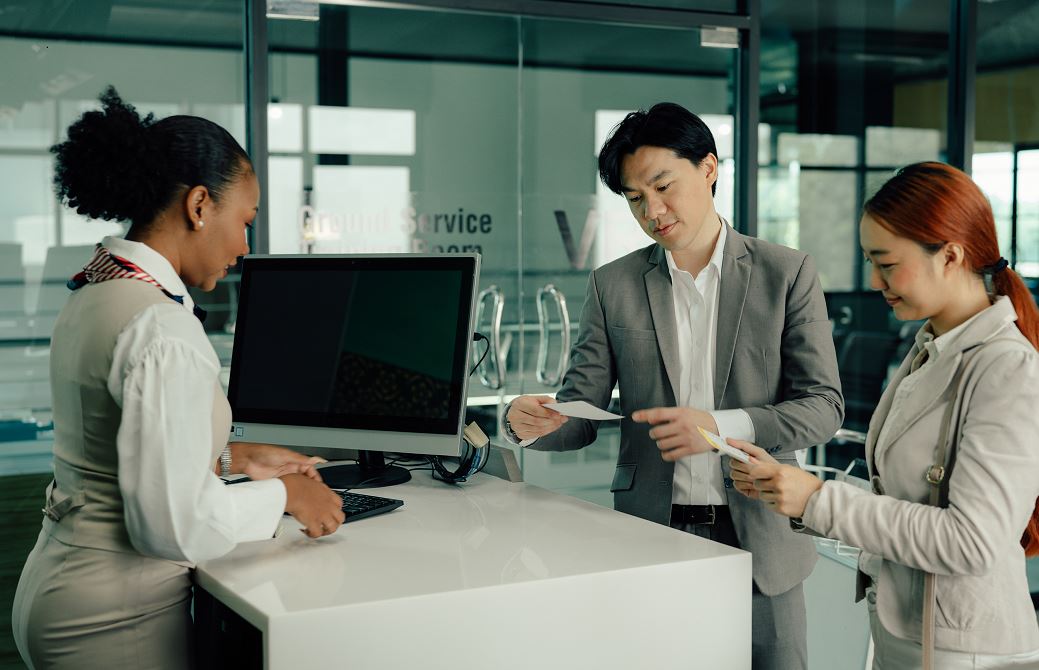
x=423, y=128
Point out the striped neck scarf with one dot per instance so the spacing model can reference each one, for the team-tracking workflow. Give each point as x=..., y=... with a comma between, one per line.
x=105, y=265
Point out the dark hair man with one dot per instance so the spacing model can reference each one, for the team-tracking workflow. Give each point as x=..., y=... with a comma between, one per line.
x=704, y=327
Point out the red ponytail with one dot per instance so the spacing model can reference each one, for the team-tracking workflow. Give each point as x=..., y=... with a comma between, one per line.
x=1008, y=283
x=933, y=203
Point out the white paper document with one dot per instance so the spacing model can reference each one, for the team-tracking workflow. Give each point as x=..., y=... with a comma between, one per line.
x=580, y=409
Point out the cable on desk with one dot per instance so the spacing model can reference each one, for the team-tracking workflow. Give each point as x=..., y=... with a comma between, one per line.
x=476, y=338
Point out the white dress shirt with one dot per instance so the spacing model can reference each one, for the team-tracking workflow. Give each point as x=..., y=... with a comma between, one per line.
x=164, y=376
x=698, y=478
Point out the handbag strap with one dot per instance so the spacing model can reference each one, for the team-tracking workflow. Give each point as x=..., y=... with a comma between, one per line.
x=935, y=476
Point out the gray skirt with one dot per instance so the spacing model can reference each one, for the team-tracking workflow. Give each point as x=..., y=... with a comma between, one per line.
x=89, y=608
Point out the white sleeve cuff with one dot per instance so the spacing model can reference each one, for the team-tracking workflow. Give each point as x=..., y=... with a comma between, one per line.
x=734, y=423
x=258, y=507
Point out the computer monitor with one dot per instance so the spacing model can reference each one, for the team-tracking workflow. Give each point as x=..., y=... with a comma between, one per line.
x=360, y=352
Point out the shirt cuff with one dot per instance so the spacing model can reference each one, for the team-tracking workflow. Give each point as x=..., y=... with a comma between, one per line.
x=506, y=432
x=734, y=423
x=258, y=507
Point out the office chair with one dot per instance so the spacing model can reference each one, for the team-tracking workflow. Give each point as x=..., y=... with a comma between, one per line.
x=863, y=362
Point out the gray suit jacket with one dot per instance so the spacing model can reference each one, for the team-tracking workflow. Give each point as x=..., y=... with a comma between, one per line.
x=775, y=359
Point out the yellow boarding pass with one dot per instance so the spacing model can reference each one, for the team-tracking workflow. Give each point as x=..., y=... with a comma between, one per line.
x=721, y=445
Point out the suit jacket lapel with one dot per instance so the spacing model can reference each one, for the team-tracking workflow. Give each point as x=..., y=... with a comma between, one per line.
x=919, y=403
x=936, y=376
x=735, y=280
x=876, y=422
x=662, y=309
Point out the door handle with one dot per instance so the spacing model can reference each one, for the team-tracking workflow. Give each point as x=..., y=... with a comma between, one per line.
x=546, y=293
x=495, y=359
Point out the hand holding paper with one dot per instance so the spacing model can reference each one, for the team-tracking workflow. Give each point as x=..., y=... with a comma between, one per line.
x=721, y=445
x=528, y=418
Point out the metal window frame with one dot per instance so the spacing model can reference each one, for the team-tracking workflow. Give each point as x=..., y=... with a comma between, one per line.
x=578, y=11
x=963, y=66
x=748, y=113
x=256, y=96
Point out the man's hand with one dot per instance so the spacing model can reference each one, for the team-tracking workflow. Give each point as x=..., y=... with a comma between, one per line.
x=674, y=429
x=785, y=489
x=266, y=461
x=529, y=419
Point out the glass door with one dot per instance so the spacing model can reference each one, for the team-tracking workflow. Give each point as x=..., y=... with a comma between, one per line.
x=577, y=81
x=395, y=131
x=416, y=131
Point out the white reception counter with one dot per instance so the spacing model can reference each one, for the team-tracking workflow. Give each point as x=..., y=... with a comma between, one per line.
x=490, y=574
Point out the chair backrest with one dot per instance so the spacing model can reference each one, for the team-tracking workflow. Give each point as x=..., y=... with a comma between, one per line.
x=863, y=362
x=63, y=262
x=12, y=279
x=11, y=261
x=60, y=264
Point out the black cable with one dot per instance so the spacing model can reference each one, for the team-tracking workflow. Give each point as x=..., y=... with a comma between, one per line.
x=486, y=457
x=476, y=338
x=362, y=483
x=411, y=459
x=372, y=479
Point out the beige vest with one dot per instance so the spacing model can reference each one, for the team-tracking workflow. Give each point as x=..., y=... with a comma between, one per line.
x=84, y=505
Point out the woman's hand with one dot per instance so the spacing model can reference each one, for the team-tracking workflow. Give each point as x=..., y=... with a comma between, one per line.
x=785, y=489
x=313, y=504
x=266, y=461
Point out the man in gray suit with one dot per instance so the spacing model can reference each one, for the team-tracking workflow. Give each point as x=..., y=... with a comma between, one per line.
x=704, y=327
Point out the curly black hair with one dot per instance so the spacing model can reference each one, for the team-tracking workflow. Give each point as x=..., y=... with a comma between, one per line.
x=115, y=165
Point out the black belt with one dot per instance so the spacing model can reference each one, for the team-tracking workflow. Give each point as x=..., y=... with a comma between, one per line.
x=698, y=514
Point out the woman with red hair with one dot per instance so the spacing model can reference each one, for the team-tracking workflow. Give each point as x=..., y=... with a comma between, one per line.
x=952, y=448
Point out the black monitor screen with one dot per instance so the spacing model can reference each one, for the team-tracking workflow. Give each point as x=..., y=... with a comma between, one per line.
x=368, y=342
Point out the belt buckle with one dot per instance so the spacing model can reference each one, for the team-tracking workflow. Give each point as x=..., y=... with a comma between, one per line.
x=713, y=515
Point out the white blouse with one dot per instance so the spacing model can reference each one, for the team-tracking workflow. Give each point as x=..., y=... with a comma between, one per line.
x=164, y=376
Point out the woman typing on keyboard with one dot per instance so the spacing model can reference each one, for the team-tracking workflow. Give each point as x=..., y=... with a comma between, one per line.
x=140, y=421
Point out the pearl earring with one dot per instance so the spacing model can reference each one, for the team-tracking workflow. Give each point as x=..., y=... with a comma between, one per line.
x=201, y=224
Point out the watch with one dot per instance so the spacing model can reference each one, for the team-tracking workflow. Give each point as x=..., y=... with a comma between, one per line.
x=225, y=462
x=510, y=432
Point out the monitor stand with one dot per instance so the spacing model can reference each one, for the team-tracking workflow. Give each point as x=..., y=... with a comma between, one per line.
x=369, y=472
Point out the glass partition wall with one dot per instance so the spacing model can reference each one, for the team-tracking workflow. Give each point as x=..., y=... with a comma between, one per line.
x=57, y=58
x=414, y=127
x=579, y=80
x=405, y=130
x=1006, y=133
x=849, y=93
x=415, y=131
